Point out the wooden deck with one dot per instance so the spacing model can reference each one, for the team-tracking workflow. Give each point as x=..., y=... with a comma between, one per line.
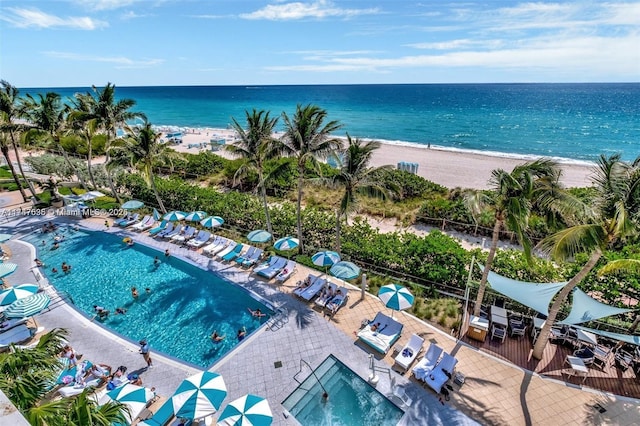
x=517, y=350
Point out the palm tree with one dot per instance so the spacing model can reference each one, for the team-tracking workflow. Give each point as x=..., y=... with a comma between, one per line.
x=255, y=145
x=9, y=111
x=142, y=147
x=357, y=178
x=307, y=138
x=110, y=115
x=511, y=198
x=613, y=217
x=48, y=116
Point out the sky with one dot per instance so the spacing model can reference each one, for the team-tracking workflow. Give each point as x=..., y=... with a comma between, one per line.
x=72, y=43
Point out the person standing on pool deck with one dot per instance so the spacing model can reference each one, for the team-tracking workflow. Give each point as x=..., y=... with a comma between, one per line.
x=144, y=350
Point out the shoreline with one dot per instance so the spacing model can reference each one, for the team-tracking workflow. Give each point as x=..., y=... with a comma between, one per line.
x=449, y=167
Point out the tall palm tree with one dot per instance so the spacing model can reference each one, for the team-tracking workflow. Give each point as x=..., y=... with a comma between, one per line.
x=255, y=145
x=357, y=178
x=510, y=198
x=110, y=114
x=623, y=265
x=48, y=115
x=307, y=138
x=9, y=111
x=142, y=146
x=613, y=217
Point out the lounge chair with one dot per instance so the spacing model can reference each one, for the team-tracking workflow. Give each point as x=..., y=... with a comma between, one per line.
x=123, y=219
x=428, y=363
x=288, y=270
x=159, y=228
x=247, y=254
x=144, y=220
x=7, y=325
x=338, y=301
x=188, y=233
x=215, y=246
x=308, y=293
x=250, y=261
x=176, y=231
x=266, y=264
x=228, y=249
x=441, y=373
x=327, y=293
x=200, y=239
x=233, y=253
x=144, y=225
x=383, y=336
x=164, y=230
x=162, y=416
x=131, y=221
x=274, y=269
x=409, y=352
x=16, y=335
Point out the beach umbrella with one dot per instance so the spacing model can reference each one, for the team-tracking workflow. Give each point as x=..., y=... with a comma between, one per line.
x=212, y=221
x=286, y=243
x=27, y=306
x=7, y=269
x=5, y=237
x=325, y=258
x=249, y=410
x=21, y=291
x=259, y=236
x=175, y=215
x=132, y=205
x=345, y=270
x=156, y=214
x=395, y=297
x=196, y=216
x=134, y=396
x=199, y=395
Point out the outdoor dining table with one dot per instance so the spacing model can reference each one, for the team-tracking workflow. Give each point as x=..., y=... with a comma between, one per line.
x=499, y=319
x=577, y=367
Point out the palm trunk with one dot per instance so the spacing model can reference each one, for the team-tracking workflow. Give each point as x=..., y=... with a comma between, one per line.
x=487, y=267
x=635, y=323
x=155, y=191
x=541, y=343
x=32, y=189
x=298, y=210
x=89, y=170
x=66, y=157
x=263, y=194
x=338, y=232
x=16, y=179
x=109, y=179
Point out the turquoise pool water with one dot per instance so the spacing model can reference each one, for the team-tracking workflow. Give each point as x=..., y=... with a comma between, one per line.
x=184, y=306
x=352, y=401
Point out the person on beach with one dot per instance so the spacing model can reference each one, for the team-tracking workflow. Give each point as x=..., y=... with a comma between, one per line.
x=144, y=350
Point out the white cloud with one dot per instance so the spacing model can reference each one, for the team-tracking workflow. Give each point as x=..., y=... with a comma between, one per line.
x=298, y=10
x=458, y=44
x=105, y=4
x=120, y=61
x=35, y=18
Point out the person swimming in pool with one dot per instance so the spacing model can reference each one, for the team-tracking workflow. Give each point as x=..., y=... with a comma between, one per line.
x=216, y=337
x=134, y=292
x=241, y=333
x=257, y=313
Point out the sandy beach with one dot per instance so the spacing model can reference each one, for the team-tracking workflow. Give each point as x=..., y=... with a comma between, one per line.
x=448, y=168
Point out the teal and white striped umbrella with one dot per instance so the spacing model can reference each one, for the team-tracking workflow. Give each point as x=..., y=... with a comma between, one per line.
x=286, y=243
x=5, y=237
x=199, y=395
x=345, y=270
x=28, y=306
x=7, y=269
x=134, y=396
x=175, y=215
x=396, y=297
x=196, y=216
x=249, y=410
x=21, y=291
x=259, y=236
x=212, y=221
x=325, y=258
x=156, y=214
x=132, y=205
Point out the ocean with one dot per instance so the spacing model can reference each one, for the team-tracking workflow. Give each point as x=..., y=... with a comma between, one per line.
x=570, y=122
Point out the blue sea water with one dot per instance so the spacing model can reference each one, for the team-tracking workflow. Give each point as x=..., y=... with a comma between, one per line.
x=571, y=121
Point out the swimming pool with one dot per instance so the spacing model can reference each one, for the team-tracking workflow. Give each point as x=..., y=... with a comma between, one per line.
x=352, y=401
x=184, y=305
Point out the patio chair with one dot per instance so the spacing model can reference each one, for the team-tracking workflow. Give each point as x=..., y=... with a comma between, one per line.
x=228, y=249
x=518, y=328
x=442, y=373
x=131, y=221
x=246, y=254
x=200, y=239
x=187, y=234
x=288, y=270
x=601, y=355
x=250, y=261
x=498, y=332
x=338, y=301
x=126, y=218
x=166, y=230
x=159, y=228
x=233, y=253
x=218, y=244
x=140, y=224
x=428, y=362
x=176, y=231
x=274, y=269
x=623, y=360
x=327, y=293
x=409, y=353
x=266, y=264
x=308, y=293
x=586, y=355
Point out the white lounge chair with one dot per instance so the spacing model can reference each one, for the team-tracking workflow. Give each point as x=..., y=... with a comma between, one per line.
x=288, y=270
x=216, y=245
x=327, y=293
x=427, y=364
x=338, y=301
x=409, y=352
x=143, y=222
x=441, y=373
x=188, y=233
x=308, y=293
x=228, y=249
x=162, y=232
x=200, y=239
x=175, y=231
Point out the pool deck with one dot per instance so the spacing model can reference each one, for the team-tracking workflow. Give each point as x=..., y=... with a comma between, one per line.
x=495, y=392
